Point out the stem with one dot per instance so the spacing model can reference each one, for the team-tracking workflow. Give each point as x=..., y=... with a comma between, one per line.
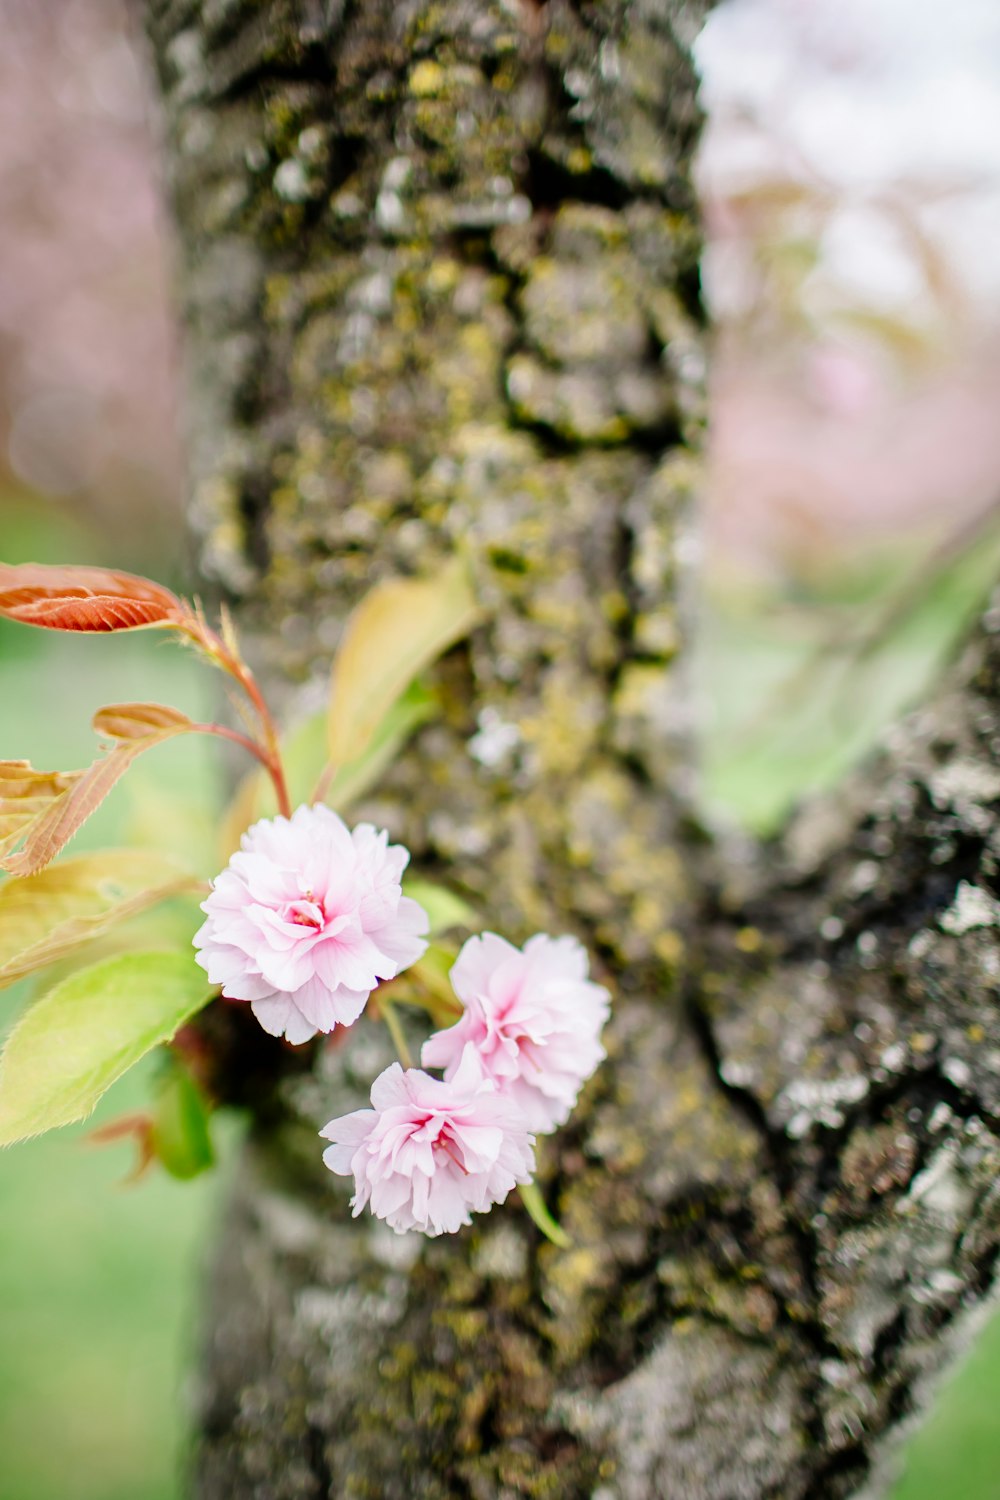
x=225, y=733
x=533, y=1201
x=391, y=1020
x=404, y=991
x=225, y=656
x=325, y=781
x=275, y=768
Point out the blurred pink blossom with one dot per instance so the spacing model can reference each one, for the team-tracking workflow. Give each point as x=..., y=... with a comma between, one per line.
x=87, y=367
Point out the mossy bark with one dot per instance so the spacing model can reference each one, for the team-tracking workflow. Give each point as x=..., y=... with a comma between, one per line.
x=438, y=264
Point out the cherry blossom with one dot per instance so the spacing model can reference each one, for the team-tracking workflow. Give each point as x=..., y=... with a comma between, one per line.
x=305, y=920
x=533, y=1018
x=429, y=1153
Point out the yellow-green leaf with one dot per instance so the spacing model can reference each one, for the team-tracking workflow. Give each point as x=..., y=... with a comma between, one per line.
x=75, y=1041
x=397, y=630
x=355, y=777
x=46, y=916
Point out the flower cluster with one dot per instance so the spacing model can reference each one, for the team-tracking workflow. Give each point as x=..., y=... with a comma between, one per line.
x=307, y=919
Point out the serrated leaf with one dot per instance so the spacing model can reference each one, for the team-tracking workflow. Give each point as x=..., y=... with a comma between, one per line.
x=53, y=829
x=46, y=916
x=443, y=907
x=74, y=1042
x=25, y=794
x=137, y=721
x=396, y=631
x=84, y=599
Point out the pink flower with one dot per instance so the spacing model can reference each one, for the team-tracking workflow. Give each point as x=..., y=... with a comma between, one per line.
x=305, y=920
x=429, y=1153
x=533, y=1018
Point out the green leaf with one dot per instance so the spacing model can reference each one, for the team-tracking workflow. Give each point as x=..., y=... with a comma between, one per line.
x=356, y=777
x=442, y=906
x=46, y=916
x=539, y=1215
x=75, y=1041
x=396, y=631
x=179, y=1132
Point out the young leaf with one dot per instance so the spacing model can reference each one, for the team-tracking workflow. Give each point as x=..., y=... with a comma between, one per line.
x=75, y=1041
x=46, y=916
x=399, y=628
x=84, y=599
x=64, y=815
x=25, y=794
x=179, y=1129
x=137, y=721
x=136, y=1128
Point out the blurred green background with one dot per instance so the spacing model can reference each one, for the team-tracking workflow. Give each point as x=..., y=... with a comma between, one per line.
x=97, y=1280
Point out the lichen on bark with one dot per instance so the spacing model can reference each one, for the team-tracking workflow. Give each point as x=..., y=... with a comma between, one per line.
x=438, y=268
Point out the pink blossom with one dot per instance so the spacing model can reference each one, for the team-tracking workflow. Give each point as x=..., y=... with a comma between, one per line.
x=428, y=1153
x=533, y=1018
x=305, y=920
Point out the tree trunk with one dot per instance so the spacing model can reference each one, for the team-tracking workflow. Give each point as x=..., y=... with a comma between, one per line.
x=438, y=260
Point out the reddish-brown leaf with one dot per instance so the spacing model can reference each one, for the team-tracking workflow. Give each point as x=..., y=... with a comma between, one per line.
x=25, y=794
x=136, y=721
x=85, y=599
x=50, y=832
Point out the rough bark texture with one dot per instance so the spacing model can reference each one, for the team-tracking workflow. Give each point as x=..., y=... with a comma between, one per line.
x=439, y=273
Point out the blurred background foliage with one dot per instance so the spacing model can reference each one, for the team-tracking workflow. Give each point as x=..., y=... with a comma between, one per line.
x=851, y=177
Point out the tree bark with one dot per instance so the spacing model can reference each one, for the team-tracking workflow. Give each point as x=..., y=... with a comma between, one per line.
x=438, y=265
